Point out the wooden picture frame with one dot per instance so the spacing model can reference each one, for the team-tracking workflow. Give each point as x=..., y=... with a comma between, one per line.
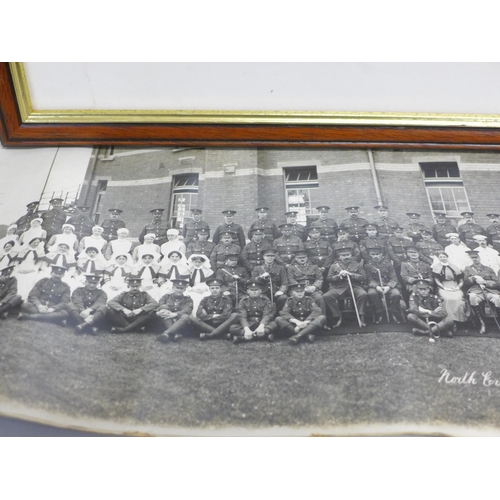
x=20, y=125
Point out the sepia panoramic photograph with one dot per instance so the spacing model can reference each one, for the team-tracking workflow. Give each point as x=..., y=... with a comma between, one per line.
x=251, y=291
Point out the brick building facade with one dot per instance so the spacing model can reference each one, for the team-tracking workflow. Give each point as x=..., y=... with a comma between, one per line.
x=215, y=179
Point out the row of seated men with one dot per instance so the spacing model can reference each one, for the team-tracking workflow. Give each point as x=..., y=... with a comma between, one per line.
x=375, y=281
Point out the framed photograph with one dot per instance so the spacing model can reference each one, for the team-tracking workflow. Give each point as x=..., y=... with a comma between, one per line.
x=386, y=233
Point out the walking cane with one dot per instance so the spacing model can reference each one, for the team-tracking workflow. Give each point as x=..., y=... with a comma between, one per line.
x=384, y=300
x=354, y=300
x=235, y=284
x=486, y=299
x=271, y=289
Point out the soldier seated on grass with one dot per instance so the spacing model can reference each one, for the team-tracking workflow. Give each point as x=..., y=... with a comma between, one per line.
x=256, y=314
x=9, y=298
x=426, y=312
x=175, y=312
x=87, y=308
x=48, y=299
x=300, y=317
x=215, y=313
x=132, y=311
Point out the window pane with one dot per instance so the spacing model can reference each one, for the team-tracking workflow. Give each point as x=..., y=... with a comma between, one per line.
x=461, y=200
x=448, y=198
x=435, y=197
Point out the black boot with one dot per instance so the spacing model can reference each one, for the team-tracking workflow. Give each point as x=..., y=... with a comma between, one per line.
x=482, y=326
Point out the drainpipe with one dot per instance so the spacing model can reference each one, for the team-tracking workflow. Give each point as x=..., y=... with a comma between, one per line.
x=92, y=172
x=375, y=178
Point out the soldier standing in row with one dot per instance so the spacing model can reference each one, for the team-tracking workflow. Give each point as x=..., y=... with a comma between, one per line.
x=110, y=226
x=396, y=248
x=156, y=227
x=327, y=226
x=371, y=240
x=24, y=222
x=414, y=227
x=82, y=223
x=192, y=227
x=319, y=251
x=287, y=244
x=224, y=248
x=229, y=225
x=354, y=224
x=297, y=230
x=428, y=246
x=493, y=231
x=468, y=229
x=384, y=223
x=269, y=228
x=441, y=228
x=54, y=218
x=200, y=244
x=251, y=255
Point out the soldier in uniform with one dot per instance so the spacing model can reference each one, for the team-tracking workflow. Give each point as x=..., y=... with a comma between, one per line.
x=251, y=255
x=82, y=223
x=256, y=314
x=344, y=241
x=383, y=284
x=426, y=312
x=269, y=228
x=215, y=313
x=319, y=251
x=385, y=223
x=396, y=247
x=441, y=228
x=302, y=271
x=493, y=231
x=286, y=245
x=414, y=268
x=469, y=229
x=371, y=240
x=428, y=246
x=192, y=227
x=24, y=222
x=300, y=317
x=110, y=226
x=297, y=230
x=354, y=224
x=483, y=285
x=54, y=218
x=132, y=311
x=274, y=277
x=339, y=286
x=48, y=299
x=156, y=227
x=87, y=308
x=175, y=312
x=414, y=227
x=229, y=225
x=327, y=226
x=200, y=244
x=225, y=247
x=9, y=298
x=234, y=277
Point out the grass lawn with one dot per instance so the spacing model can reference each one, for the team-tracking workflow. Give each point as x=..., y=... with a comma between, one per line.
x=374, y=377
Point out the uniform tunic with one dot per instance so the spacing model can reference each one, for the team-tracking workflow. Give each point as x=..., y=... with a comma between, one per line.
x=432, y=303
x=254, y=312
x=299, y=231
x=8, y=289
x=53, y=221
x=367, y=243
x=396, y=249
x=159, y=229
x=133, y=300
x=238, y=238
x=286, y=247
x=467, y=231
x=301, y=309
x=389, y=278
x=83, y=225
x=51, y=293
x=190, y=228
x=200, y=247
x=84, y=298
x=489, y=257
x=439, y=232
x=413, y=231
x=251, y=255
x=173, y=303
x=493, y=233
x=386, y=227
x=218, y=257
x=413, y=271
x=428, y=249
x=24, y=222
x=209, y=306
x=308, y=274
x=111, y=227
x=328, y=229
x=355, y=227
x=475, y=291
x=225, y=273
x=277, y=274
x=319, y=252
x=339, y=245
x=271, y=231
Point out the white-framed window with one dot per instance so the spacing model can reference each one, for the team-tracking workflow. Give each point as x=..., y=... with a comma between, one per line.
x=184, y=198
x=300, y=183
x=445, y=188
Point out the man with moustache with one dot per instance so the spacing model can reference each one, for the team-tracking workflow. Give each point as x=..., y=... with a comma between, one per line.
x=354, y=224
x=156, y=227
x=327, y=226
